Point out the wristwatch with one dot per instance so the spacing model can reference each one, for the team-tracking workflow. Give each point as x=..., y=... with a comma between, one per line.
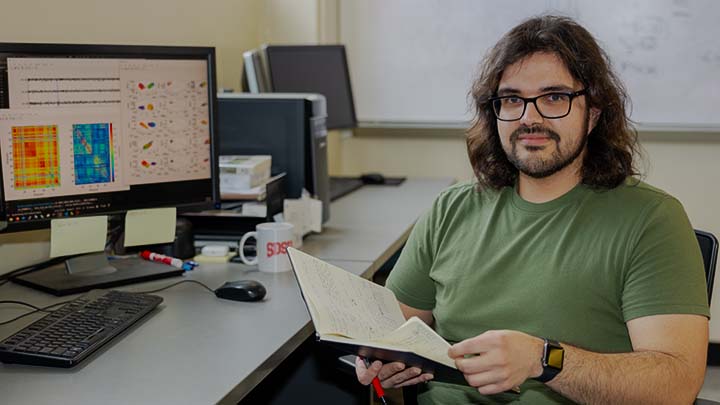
x=552, y=360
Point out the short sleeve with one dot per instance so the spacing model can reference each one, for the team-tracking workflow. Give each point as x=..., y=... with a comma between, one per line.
x=410, y=278
x=666, y=273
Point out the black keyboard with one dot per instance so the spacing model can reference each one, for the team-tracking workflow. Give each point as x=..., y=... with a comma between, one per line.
x=71, y=333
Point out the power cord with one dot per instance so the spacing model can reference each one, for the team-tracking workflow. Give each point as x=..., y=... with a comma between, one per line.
x=42, y=309
x=46, y=308
x=174, y=284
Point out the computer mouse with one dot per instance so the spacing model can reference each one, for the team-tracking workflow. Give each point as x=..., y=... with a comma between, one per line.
x=372, y=178
x=241, y=290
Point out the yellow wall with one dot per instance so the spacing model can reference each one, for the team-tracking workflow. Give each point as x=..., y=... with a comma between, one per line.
x=232, y=26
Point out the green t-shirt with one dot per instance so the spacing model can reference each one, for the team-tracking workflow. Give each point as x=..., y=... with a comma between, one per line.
x=574, y=269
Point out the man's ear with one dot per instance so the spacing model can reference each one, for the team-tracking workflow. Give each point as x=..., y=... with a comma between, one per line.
x=593, y=118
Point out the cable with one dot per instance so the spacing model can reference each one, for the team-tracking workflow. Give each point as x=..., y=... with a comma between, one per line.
x=174, y=284
x=20, y=303
x=45, y=309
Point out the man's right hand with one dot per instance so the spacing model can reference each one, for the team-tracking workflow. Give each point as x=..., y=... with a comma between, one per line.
x=391, y=375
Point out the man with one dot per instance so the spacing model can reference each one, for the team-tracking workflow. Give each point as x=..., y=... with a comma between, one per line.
x=557, y=272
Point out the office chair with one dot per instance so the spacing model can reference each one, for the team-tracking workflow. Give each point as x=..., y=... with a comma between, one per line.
x=709, y=249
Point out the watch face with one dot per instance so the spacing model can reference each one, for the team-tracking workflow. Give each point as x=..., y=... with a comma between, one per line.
x=555, y=357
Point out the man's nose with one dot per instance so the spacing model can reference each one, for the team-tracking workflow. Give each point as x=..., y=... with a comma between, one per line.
x=531, y=114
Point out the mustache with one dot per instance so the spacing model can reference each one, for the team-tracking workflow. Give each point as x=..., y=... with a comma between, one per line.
x=536, y=129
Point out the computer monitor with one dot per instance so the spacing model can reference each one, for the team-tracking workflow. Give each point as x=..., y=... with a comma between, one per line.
x=319, y=69
x=102, y=129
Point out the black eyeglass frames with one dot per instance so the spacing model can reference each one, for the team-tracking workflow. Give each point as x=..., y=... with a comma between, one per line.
x=549, y=105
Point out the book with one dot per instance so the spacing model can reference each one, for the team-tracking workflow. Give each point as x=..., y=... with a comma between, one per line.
x=360, y=317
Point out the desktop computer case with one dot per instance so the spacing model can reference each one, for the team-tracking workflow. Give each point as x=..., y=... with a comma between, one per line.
x=290, y=127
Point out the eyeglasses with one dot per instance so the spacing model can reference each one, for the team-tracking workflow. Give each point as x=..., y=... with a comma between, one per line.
x=549, y=105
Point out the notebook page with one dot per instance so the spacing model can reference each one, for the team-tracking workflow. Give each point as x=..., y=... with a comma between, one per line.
x=416, y=336
x=343, y=303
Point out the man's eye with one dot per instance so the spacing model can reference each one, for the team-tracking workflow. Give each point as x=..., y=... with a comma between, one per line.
x=513, y=100
x=556, y=98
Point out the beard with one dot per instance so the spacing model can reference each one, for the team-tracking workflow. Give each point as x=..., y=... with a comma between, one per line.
x=536, y=166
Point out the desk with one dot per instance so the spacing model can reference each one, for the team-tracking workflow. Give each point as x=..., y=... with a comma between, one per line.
x=197, y=349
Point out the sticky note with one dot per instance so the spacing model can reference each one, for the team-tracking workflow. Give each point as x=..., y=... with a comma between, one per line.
x=150, y=226
x=315, y=211
x=70, y=236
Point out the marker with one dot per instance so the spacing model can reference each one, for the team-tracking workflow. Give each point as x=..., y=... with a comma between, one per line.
x=156, y=257
x=376, y=384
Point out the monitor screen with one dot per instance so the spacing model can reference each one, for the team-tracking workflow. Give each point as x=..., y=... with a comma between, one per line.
x=319, y=69
x=98, y=129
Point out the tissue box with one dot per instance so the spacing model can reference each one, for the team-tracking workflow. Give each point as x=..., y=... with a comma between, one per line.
x=240, y=173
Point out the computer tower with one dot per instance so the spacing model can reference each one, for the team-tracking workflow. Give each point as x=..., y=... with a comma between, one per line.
x=288, y=126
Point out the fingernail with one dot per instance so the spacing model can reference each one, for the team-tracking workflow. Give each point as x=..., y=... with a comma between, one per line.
x=377, y=364
x=399, y=367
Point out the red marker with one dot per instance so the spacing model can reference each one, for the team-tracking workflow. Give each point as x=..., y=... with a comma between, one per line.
x=376, y=384
x=156, y=257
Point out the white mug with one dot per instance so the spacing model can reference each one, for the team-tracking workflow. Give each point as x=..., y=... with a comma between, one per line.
x=273, y=239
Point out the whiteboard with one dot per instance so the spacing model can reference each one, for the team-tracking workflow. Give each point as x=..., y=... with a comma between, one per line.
x=413, y=61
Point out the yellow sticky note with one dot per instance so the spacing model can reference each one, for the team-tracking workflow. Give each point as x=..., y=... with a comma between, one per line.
x=147, y=227
x=70, y=236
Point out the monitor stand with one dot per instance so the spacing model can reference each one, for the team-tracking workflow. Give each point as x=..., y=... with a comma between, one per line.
x=87, y=272
x=93, y=264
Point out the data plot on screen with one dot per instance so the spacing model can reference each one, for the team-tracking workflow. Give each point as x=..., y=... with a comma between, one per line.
x=35, y=157
x=53, y=82
x=93, y=153
x=57, y=152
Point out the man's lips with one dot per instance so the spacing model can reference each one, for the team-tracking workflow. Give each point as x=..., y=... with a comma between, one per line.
x=533, y=139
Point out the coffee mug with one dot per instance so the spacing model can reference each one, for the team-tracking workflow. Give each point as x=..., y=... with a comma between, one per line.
x=273, y=239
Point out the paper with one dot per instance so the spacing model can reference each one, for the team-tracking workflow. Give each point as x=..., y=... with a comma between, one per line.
x=343, y=303
x=348, y=309
x=70, y=236
x=294, y=212
x=150, y=226
x=304, y=213
x=254, y=209
x=315, y=209
x=417, y=336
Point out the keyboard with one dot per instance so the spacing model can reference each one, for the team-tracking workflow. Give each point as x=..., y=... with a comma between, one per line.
x=68, y=335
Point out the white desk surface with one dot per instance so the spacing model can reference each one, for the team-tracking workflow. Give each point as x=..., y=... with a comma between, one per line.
x=198, y=349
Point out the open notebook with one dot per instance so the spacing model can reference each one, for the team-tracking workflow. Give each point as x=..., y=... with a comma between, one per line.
x=361, y=317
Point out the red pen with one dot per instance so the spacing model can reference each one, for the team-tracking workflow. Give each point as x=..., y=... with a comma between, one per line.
x=376, y=384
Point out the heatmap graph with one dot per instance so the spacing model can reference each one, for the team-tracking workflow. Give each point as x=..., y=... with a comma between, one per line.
x=35, y=157
x=93, y=153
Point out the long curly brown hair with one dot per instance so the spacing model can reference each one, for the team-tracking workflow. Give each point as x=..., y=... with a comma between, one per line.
x=611, y=145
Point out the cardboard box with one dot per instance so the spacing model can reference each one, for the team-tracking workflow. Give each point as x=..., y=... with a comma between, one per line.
x=241, y=173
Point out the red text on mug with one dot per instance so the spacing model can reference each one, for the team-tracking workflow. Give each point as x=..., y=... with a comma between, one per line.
x=277, y=248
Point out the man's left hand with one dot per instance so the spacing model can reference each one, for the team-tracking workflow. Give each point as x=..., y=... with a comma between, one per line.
x=498, y=360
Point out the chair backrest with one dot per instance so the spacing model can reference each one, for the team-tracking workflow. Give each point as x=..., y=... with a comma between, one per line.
x=709, y=248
